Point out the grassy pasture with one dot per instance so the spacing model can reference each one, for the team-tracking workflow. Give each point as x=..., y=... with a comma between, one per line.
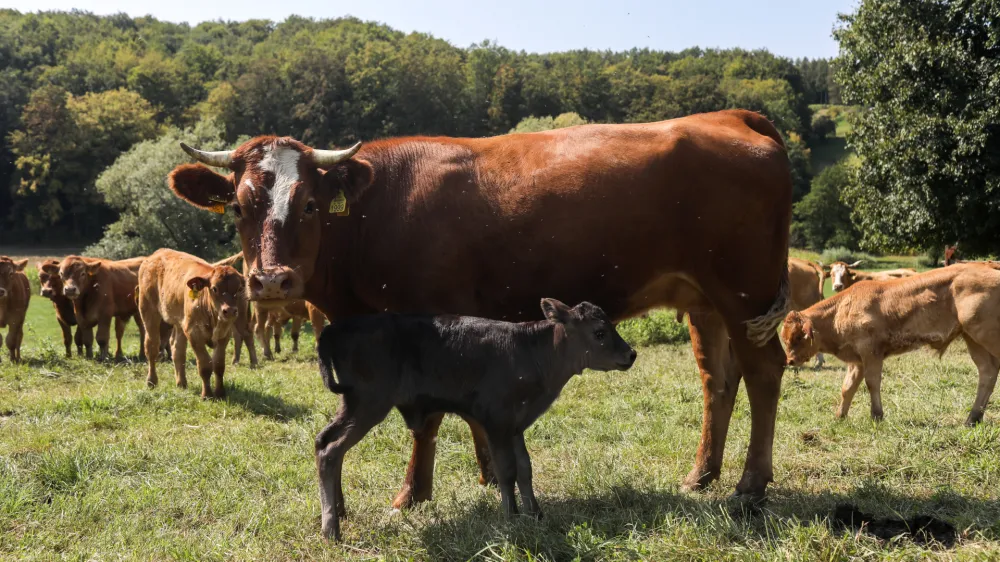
x=93, y=466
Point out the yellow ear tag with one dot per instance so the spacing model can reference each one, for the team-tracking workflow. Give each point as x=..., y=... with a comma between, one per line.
x=218, y=209
x=193, y=294
x=339, y=204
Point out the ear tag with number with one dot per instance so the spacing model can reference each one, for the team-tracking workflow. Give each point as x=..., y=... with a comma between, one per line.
x=339, y=204
x=193, y=294
x=220, y=205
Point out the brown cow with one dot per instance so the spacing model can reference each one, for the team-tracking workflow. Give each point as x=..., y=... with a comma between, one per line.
x=877, y=319
x=201, y=302
x=52, y=289
x=15, y=294
x=690, y=213
x=102, y=290
x=805, y=279
x=842, y=275
x=298, y=312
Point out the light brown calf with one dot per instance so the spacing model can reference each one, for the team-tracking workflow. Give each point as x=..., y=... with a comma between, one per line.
x=52, y=289
x=242, y=334
x=297, y=312
x=15, y=293
x=805, y=280
x=877, y=319
x=102, y=290
x=201, y=302
x=842, y=275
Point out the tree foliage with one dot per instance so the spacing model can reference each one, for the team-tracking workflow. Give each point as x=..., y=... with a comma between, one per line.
x=534, y=124
x=77, y=90
x=926, y=73
x=821, y=219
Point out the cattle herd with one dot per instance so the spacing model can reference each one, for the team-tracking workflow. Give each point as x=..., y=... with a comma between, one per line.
x=429, y=256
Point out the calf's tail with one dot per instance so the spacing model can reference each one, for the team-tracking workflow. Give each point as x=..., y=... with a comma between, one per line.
x=326, y=370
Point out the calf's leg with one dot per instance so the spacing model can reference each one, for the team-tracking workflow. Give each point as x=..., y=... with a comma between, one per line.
x=152, y=342
x=482, y=447
x=420, y=472
x=505, y=466
x=296, y=328
x=204, y=362
x=67, y=333
x=988, y=366
x=852, y=381
x=119, y=332
x=523, y=464
x=219, y=366
x=350, y=424
x=873, y=380
x=260, y=327
x=78, y=340
x=720, y=380
x=180, y=357
x=88, y=340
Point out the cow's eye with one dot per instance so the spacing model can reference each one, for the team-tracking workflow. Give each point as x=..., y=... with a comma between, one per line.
x=600, y=334
x=237, y=211
x=215, y=290
x=310, y=207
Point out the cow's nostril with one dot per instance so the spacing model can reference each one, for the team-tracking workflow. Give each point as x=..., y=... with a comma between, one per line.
x=255, y=285
x=286, y=285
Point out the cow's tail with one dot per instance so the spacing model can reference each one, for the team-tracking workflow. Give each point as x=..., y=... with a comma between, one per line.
x=761, y=329
x=822, y=279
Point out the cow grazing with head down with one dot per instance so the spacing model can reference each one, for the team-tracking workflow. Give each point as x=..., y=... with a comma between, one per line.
x=843, y=275
x=15, y=294
x=52, y=289
x=501, y=374
x=201, y=302
x=102, y=290
x=690, y=213
x=876, y=319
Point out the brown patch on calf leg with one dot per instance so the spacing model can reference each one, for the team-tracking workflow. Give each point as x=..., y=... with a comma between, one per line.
x=720, y=381
x=988, y=366
x=420, y=473
x=762, y=369
x=852, y=381
x=482, y=447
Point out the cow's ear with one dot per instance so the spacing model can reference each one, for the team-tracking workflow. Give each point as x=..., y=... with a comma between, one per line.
x=202, y=187
x=92, y=267
x=40, y=266
x=555, y=311
x=807, y=328
x=352, y=177
x=196, y=284
x=20, y=265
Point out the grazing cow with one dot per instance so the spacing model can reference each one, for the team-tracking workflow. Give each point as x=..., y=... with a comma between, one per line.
x=298, y=312
x=102, y=290
x=951, y=255
x=15, y=293
x=842, y=275
x=500, y=374
x=877, y=319
x=690, y=213
x=805, y=279
x=52, y=289
x=201, y=302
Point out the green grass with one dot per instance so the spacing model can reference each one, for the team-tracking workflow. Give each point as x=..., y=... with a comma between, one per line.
x=834, y=149
x=93, y=466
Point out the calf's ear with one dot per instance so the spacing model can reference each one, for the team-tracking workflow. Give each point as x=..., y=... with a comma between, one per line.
x=555, y=311
x=197, y=283
x=20, y=265
x=202, y=187
x=92, y=267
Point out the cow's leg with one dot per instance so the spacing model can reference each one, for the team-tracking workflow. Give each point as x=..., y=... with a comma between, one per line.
x=852, y=381
x=762, y=369
x=482, y=447
x=275, y=328
x=296, y=328
x=349, y=426
x=237, y=345
x=988, y=366
x=19, y=329
x=78, y=340
x=251, y=348
x=873, y=380
x=180, y=357
x=219, y=366
x=119, y=332
x=67, y=338
x=12, y=343
x=524, y=485
x=204, y=363
x=166, y=340
x=419, y=479
x=720, y=381
x=103, y=338
x=142, y=339
x=88, y=340
x=260, y=327
x=819, y=361
x=152, y=341
x=505, y=465
x=317, y=319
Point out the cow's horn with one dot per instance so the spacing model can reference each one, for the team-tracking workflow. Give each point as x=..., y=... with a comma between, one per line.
x=326, y=158
x=857, y=263
x=220, y=159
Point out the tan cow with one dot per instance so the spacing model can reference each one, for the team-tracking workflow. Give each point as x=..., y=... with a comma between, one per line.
x=102, y=290
x=201, y=302
x=877, y=319
x=842, y=275
x=15, y=294
x=805, y=280
x=52, y=289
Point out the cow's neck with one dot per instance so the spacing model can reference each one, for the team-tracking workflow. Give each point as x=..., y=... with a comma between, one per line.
x=823, y=316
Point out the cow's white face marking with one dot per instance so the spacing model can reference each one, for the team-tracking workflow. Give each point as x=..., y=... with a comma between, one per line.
x=283, y=162
x=250, y=185
x=837, y=273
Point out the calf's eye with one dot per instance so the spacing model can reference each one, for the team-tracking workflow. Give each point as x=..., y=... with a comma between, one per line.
x=310, y=207
x=599, y=334
x=237, y=211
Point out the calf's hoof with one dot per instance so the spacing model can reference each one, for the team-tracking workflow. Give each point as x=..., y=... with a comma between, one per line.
x=974, y=419
x=331, y=530
x=877, y=416
x=151, y=383
x=407, y=498
x=698, y=479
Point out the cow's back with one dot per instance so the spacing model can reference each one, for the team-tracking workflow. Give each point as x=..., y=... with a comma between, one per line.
x=628, y=216
x=806, y=281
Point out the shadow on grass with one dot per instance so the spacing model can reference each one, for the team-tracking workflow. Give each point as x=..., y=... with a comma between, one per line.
x=595, y=527
x=267, y=405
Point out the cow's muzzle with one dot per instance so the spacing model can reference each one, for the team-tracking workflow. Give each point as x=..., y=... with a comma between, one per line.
x=71, y=292
x=274, y=283
x=48, y=293
x=3, y=293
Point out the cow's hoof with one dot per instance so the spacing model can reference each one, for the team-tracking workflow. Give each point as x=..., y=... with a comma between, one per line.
x=151, y=383
x=697, y=480
x=974, y=420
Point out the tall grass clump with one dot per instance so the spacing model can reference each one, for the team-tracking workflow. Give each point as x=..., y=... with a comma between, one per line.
x=659, y=326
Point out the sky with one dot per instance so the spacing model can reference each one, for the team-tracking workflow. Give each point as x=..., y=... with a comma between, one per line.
x=791, y=28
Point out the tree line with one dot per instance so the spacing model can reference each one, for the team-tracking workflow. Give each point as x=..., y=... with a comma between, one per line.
x=78, y=90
